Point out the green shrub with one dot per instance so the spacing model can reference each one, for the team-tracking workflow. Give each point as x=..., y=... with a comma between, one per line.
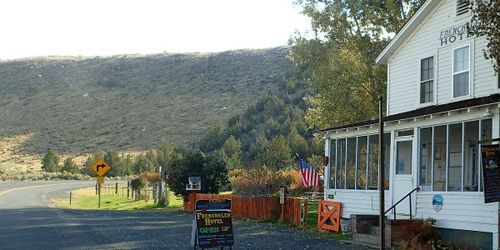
x=50, y=162
x=263, y=181
x=138, y=184
x=212, y=171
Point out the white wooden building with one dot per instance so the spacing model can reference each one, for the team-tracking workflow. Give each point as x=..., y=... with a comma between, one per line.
x=443, y=98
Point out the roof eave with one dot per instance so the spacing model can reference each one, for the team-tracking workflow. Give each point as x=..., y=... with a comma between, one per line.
x=425, y=111
x=407, y=29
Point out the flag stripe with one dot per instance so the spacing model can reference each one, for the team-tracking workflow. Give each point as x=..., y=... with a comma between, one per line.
x=309, y=176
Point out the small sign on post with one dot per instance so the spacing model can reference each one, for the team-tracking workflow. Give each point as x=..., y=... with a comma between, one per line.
x=100, y=168
x=212, y=224
x=282, y=195
x=282, y=203
x=100, y=180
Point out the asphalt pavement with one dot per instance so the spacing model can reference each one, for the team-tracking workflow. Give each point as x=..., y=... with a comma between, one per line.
x=28, y=220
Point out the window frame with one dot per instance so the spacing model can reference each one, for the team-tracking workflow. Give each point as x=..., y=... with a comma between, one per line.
x=478, y=160
x=419, y=156
x=453, y=73
x=433, y=79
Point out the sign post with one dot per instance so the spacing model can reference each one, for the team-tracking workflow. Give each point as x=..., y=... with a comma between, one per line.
x=99, y=195
x=100, y=168
x=282, y=203
x=212, y=224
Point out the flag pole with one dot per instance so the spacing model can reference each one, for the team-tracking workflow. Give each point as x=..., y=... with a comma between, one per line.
x=381, y=173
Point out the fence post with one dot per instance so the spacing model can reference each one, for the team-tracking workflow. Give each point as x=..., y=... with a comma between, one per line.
x=128, y=188
x=282, y=203
x=303, y=212
x=70, y=198
x=155, y=197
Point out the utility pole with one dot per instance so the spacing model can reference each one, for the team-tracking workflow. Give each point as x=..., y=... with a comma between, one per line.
x=381, y=171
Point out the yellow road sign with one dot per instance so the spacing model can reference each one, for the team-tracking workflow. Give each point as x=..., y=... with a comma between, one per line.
x=100, y=167
x=100, y=180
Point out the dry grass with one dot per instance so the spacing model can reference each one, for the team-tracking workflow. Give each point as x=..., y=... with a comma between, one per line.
x=16, y=164
x=84, y=192
x=76, y=106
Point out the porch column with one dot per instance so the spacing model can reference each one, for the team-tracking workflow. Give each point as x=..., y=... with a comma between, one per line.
x=326, y=172
x=496, y=134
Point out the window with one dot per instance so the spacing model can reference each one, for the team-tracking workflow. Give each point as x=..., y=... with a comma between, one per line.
x=340, y=170
x=408, y=132
x=351, y=163
x=426, y=79
x=461, y=72
x=354, y=162
x=462, y=7
x=361, y=166
x=471, y=150
x=403, y=156
x=486, y=131
x=333, y=153
x=387, y=159
x=439, y=173
x=373, y=162
x=449, y=156
x=425, y=159
x=455, y=157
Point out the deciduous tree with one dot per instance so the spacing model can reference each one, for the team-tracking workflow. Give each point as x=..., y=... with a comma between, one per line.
x=486, y=22
x=212, y=171
x=338, y=63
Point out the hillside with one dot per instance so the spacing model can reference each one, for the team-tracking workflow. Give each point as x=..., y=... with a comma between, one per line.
x=78, y=105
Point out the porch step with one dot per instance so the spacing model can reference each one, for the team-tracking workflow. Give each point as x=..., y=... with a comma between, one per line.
x=360, y=244
x=369, y=239
x=399, y=216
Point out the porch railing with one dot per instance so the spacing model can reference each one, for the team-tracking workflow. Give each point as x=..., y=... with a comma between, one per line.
x=393, y=207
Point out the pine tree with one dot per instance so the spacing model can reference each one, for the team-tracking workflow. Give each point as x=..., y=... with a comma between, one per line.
x=70, y=166
x=277, y=155
x=50, y=162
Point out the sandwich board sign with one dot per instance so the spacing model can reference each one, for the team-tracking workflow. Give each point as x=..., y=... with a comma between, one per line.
x=212, y=224
x=491, y=172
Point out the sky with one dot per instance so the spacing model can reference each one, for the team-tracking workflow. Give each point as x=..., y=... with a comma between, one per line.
x=30, y=28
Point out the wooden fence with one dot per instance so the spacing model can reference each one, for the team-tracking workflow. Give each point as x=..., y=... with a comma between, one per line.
x=329, y=215
x=296, y=211
x=257, y=208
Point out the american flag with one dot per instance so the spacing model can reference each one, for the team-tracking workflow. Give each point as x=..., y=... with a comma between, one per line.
x=309, y=176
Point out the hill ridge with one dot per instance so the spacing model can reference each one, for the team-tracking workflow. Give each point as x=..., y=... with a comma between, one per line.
x=131, y=103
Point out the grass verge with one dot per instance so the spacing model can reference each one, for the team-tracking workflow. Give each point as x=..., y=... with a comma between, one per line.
x=87, y=199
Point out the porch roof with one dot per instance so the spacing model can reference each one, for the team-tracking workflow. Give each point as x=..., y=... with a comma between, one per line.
x=428, y=110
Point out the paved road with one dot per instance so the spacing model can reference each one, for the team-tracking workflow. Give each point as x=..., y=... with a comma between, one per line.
x=28, y=221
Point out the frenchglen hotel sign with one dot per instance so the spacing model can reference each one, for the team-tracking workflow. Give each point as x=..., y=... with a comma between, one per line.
x=454, y=34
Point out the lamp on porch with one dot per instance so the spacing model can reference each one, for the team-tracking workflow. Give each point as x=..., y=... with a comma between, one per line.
x=487, y=113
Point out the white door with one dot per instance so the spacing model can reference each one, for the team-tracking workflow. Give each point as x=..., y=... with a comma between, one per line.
x=403, y=178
